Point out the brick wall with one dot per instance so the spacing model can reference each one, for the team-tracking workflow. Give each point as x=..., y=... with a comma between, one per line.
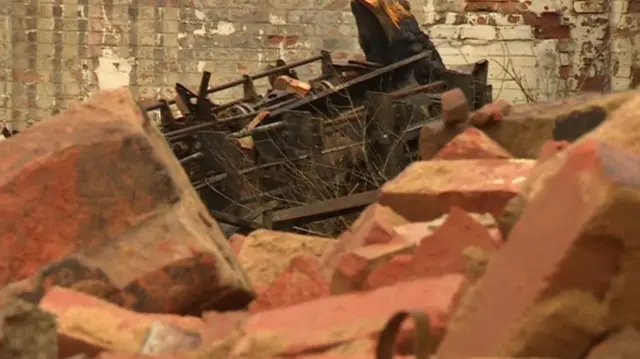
x=56, y=52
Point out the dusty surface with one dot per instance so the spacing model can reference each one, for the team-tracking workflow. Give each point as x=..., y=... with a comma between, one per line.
x=265, y=253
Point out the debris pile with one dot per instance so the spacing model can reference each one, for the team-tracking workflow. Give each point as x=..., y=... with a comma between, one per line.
x=260, y=160
x=476, y=250
x=485, y=229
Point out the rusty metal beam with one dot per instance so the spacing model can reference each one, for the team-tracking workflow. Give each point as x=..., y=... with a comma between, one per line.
x=319, y=211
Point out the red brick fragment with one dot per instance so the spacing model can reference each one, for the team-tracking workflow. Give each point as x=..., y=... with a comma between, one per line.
x=236, y=241
x=374, y=226
x=88, y=325
x=355, y=266
x=333, y=320
x=428, y=189
x=266, y=253
x=108, y=204
x=301, y=281
x=218, y=325
x=471, y=144
x=573, y=248
x=494, y=111
x=434, y=136
x=438, y=254
x=454, y=107
x=550, y=148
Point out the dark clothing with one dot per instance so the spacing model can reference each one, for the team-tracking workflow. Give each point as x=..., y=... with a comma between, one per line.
x=405, y=41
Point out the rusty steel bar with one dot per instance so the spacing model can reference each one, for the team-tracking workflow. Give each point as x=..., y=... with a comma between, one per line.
x=257, y=76
x=319, y=211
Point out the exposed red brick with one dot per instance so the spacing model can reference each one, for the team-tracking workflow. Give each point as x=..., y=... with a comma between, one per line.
x=504, y=7
x=583, y=214
x=550, y=148
x=355, y=266
x=472, y=144
x=596, y=83
x=548, y=25
x=88, y=325
x=241, y=68
x=218, y=325
x=494, y=111
x=438, y=254
x=24, y=76
x=130, y=214
x=514, y=19
x=301, y=281
x=454, y=107
x=285, y=40
x=374, y=226
x=338, y=319
x=237, y=241
x=266, y=253
x=565, y=71
x=435, y=136
x=428, y=189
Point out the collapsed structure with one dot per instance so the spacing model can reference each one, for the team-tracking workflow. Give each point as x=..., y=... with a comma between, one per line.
x=344, y=133
x=499, y=230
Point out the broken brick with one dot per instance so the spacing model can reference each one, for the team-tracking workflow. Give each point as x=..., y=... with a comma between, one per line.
x=355, y=266
x=574, y=250
x=620, y=129
x=489, y=113
x=471, y=144
x=455, y=109
x=219, y=325
x=301, y=281
x=624, y=344
x=374, y=226
x=88, y=325
x=330, y=321
x=434, y=136
x=236, y=241
x=266, y=253
x=438, y=254
x=427, y=189
x=125, y=202
x=550, y=148
x=415, y=232
x=526, y=127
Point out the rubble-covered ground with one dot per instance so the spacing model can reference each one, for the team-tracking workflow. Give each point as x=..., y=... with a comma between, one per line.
x=480, y=250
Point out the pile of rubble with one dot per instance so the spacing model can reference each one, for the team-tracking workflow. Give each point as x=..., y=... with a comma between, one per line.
x=477, y=250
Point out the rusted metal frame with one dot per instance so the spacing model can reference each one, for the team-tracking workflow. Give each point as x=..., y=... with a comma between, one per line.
x=274, y=126
x=313, y=102
x=252, y=77
x=383, y=132
x=297, y=216
x=411, y=132
x=319, y=102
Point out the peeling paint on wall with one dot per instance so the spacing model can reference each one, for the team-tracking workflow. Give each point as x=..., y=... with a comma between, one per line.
x=113, y=71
